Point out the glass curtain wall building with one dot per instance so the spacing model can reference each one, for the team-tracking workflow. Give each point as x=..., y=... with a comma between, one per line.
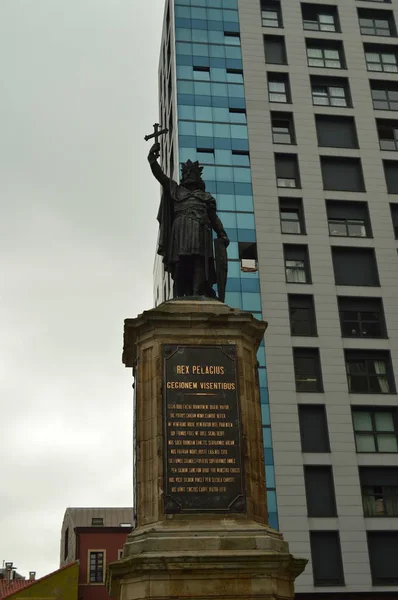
x=292, y=108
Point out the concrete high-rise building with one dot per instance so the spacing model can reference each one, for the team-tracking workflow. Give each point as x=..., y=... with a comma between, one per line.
x=292, y=106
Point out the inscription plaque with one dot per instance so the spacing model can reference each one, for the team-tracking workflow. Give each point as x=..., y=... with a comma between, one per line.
x=203, y=462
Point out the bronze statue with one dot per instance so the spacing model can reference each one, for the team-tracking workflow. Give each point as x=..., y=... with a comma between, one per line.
x=187, y=216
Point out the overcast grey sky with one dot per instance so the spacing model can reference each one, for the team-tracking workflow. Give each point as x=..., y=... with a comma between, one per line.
x=78, y=92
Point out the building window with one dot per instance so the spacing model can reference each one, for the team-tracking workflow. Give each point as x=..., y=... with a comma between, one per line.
x=248, y=257
x=66, y=543
x=292, y=216
x=375, y=429
x=361, y=317
x=391, y=175
x=302, y=315
x=388, y=134
x=383, y=552
x=278, y=88
x=275, y=50
x=282, y=128
x=287, y=171
x=297, y=264
x=383, y=60
x=373, y=22
x=355, y=266
x=348, y=219
x=319, y=488
x=330, y=57
x=330, y=92
x=384, y=95
x=271, y=14
x=327, y=564
x=336, y=131
x=342, y=174
x=379, y=491
x=120, y=554
x=394, y=216
x=307, y=368
x=97, y=521
x=96, y=567
x=369, y=372
x=313, y=428
x=319, y=18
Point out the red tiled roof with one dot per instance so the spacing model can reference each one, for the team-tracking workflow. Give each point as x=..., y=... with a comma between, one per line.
x=9, y=588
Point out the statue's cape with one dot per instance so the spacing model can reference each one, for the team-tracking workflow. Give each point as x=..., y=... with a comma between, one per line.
x=165, y=219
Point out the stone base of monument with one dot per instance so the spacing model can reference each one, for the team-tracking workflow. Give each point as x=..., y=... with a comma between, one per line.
x=202, y=529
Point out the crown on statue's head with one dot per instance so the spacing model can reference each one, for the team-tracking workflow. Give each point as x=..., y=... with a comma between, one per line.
x=190, y=166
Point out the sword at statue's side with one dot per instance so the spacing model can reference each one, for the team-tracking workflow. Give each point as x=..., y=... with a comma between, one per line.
x=157, y=132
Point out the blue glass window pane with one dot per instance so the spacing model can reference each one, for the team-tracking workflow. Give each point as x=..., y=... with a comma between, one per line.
x=184, y=72
x=204, y=129
x=242, y=175
x=221, y=114
x=203, y=113
x=186, y=99
x=216, y=37
x=186, y=112
x=215, y=15
x=185, y=87
x=233, y=299
x=237, y=117
x=239, y=131
x=204, y=141
x=233, y=284
x=264, y=399
x=232, y=234
x=224, y=174
x=228, y=220
x=187, y=141
x=203, y=100
x=262, y=378
x=225, y=202
x=199, y=2
x=233, y=268
x=229, y=3
x=217, y=62
x=198, y=13
x=215, y=25
x=225, y=187
x=245, y=220
x=211, y=187
x=240, y=145
x=183, y=35
x=271, y=501
x=223, y=157
x=199, y=24
x=218, y=75
x=244, y=203
x=231, y=16
x=182, y=23
x=234, y=78
x=251, y=285
x=209, y=173
x=184, y=60
x=221, y=130
x=183, y=11
x=241, y=160
x=183, y=48
x=222, y=143
x=267, y=439
x=219, y=89
x=273, y=520
x=219, y=101
x=235, y=90
x=270, y=476
x=244, y=189
x=217, y=51
x=268, y=456
x=251, y=301
x=206, y=158
x=234, y=63
x=200, y=35
x=186, y=128
x=201, y=61
x=215, y=3
x=200, y=49
x=202, y=88
x=234, y=52
x=247, y=235
x=231, y=26
x=187, y=154
x=265, y=415
x=201, y=75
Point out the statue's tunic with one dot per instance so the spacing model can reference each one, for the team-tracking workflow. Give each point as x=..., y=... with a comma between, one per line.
x=191, y=228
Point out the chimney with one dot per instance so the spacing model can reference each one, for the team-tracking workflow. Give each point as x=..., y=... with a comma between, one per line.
x=9, y=571
x=32, y=575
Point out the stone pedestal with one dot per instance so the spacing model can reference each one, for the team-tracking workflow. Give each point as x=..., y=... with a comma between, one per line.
x=230, y=553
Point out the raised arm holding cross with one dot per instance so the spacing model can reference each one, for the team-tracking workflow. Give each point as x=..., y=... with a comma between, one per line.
x=157, y=132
